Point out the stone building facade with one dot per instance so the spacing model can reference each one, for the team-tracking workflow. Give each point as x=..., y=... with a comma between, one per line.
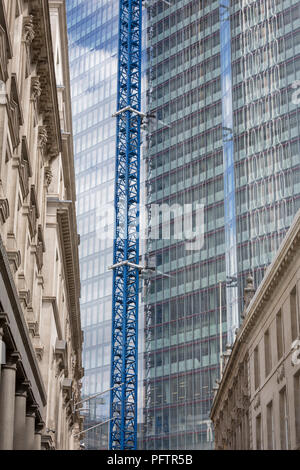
x=257, y=401
x=40, y=332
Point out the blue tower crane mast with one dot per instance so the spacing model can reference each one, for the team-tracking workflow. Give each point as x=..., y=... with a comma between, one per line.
x=124, y=357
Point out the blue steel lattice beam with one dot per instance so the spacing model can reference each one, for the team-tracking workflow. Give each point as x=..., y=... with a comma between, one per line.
x=124, y=360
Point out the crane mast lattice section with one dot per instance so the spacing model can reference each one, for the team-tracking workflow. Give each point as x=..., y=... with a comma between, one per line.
x=124, y=361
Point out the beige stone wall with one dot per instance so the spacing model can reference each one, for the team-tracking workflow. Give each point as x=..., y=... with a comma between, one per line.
x=268, y=346
x=277, y=371
x=37, y=207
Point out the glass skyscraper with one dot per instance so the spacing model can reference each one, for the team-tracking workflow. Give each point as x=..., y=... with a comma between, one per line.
x=222, y=77
x=221, y=138
x=265, y=69
x=93, y=46
x=185, y=149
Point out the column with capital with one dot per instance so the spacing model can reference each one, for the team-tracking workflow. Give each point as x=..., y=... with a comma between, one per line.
x=4, y=322
x=30, y=427
x=2, y=359
x=20, y=416
x=38, y=436
x=7, y=401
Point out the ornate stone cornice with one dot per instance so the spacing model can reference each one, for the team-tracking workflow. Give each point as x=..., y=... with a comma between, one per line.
x=21, y=340
x=67, y=226
x=273, y=275
x=42, y=56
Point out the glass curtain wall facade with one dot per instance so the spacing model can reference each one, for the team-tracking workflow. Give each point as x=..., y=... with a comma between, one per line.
x=93, y=50
x=93, y=46
x=265, y=70
x=185, y=156
x=222, y=86
x=222, y=132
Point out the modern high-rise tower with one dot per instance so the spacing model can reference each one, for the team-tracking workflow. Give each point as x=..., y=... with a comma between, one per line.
x=93, y=49
x=224, y=136
x=93, y=46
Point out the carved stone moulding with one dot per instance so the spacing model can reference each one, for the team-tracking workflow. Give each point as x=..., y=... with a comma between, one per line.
x=40, y=249
x=39, y=350
x=24, y=296
x=60, y=354
x=42, y=137
x=280, y=373
x=33, y=214
x=66, y=386
x=36, y=89
x=3, y=56
x=48, y=176
x=14, y=258
x=28, y=29
x=33, y=327
x=257, y=401
x=4, y=210
x=14, y=113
